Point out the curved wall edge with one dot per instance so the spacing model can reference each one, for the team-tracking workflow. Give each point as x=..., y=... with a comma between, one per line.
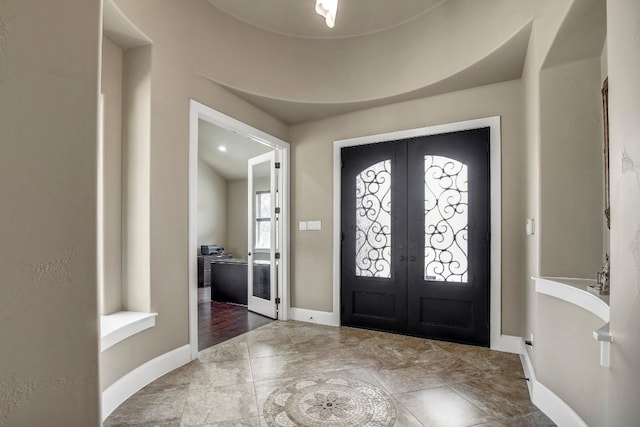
x=295, y=111
x=141, y=376
x=546, y=400
x=504, y=62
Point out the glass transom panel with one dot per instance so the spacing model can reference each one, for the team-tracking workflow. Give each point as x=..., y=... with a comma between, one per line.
x=446, y=221
x=373, y=221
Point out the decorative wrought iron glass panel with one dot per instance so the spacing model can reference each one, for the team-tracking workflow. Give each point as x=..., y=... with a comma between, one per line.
x=373, y=221
x=446, y=202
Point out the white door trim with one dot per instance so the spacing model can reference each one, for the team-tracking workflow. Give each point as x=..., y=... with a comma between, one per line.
x=198, y=111
x=497, y=340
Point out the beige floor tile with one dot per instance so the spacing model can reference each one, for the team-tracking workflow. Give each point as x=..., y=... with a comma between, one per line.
x=302, y=364
x=246, y=422
x=535, y=419
x=504, y=395
x=402, y=380
x=450, y=370
x=219, y=404
x=274, y=347
x=160, y=408
x=174, y=379
x=442, y=407
x=264, y=388
x=265, y=333
x=226, y=351
x=221, y=373
x=173, y=422
x=431, y=383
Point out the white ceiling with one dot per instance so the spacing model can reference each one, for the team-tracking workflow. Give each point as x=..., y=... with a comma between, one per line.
x=298, y=18
x=231, y=164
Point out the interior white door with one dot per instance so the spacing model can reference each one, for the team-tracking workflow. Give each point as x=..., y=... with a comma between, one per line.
x=263, y=235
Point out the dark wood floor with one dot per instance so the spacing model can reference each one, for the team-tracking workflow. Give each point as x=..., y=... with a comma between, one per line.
x=218, y=322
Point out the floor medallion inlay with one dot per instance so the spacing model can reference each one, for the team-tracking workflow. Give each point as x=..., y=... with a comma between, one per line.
x=329, y=401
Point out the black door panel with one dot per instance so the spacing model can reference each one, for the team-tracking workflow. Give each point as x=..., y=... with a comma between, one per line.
x=415, y=250
x=371, y=295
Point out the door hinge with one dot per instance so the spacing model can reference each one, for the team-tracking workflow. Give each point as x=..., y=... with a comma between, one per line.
x=277, y=300
x=277, y=255
x=277, y=210
x=277, y=165
x=488, y=237
x=342, y=164
x=341, y=237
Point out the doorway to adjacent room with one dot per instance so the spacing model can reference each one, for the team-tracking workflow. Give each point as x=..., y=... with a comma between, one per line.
x=238, y=227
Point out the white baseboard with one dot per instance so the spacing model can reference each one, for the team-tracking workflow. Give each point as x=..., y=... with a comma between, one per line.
x=135, y=380
x=546, y=400
x=314, y=316
x=506, y=343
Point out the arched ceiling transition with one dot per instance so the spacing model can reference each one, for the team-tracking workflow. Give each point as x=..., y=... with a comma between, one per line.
x=379, y=52
x=279, y=56
x=502, y=65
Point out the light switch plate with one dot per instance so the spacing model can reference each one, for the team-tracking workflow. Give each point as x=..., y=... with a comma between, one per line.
x=314, y=225
x=302, y=226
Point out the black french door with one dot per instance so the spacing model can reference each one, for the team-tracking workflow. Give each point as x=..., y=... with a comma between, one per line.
x=415, y=236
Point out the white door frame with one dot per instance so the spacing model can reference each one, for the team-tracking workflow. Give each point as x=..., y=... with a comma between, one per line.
x=497, y=340
x=198, y=111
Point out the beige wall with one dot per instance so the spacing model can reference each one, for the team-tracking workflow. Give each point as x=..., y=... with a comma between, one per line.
x=564, y=182
x=568, y=358
x=623, y=22
x=54, y=50
x=173, y=83
x=312, y=184
x=136, y=179
x=179, y=58
x=49, y=74
x=548, y=16
x=571, y=179
x=237, y=213
x=212, y=207
x=111, y=88
x=237, y=218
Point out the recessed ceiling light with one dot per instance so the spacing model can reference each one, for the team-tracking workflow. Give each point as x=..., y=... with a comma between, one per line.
x=222, y=148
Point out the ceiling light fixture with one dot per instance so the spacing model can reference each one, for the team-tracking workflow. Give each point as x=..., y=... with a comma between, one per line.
x=328, y=9
x=222, y=148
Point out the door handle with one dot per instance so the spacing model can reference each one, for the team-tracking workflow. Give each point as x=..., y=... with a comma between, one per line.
x=412, y=258
x=401, y=258
x=249, y=253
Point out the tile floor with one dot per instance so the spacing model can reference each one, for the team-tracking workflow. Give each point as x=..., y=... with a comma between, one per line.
x=430, y=383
